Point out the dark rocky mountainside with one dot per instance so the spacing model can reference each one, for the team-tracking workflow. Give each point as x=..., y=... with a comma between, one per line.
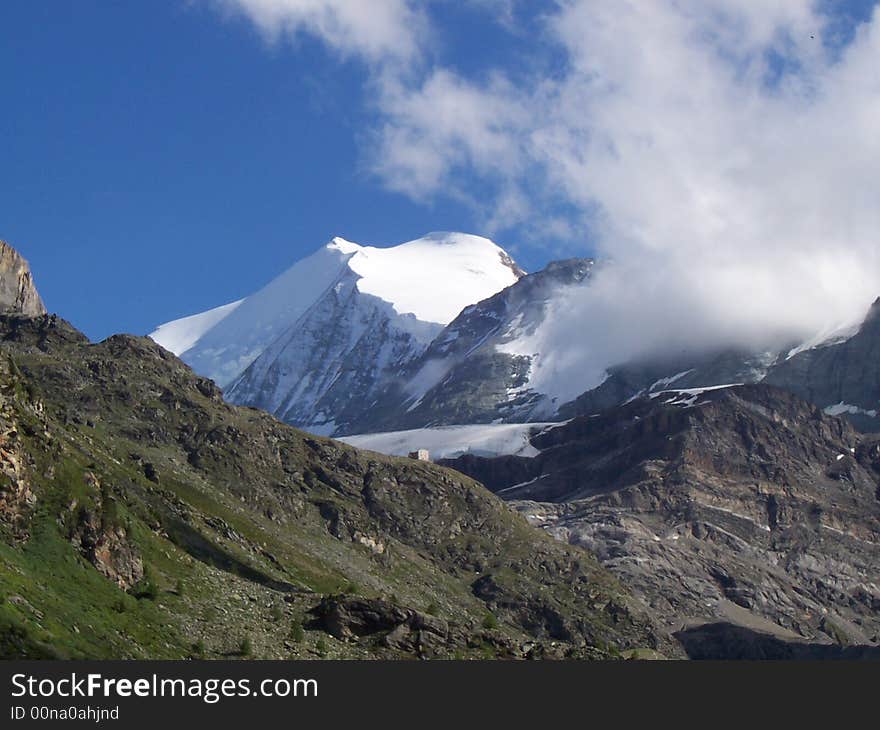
x=141, y=516
x=745, y=511
x=843, y=377
x=17, y=290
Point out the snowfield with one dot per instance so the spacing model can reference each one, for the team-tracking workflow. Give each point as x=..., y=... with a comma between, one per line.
x=447, y=442
x=687, y=397
x=181, y=334
x=434, y=277
x=842, y=408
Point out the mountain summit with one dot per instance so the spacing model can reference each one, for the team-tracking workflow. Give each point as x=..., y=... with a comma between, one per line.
x=313, y=345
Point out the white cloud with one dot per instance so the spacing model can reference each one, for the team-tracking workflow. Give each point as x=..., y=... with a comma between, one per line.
x=375, y=31
x=721, y=154
x=444, y=125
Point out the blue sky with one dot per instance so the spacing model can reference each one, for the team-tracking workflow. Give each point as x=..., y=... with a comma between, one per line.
x=163, y=157
x=159, y=158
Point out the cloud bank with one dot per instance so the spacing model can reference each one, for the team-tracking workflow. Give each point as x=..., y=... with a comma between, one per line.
x=723, y=154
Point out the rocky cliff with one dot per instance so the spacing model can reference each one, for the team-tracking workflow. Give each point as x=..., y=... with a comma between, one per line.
x=17, y=290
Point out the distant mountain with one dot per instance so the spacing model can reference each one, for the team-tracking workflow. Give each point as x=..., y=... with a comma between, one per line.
x=838, y=371
x=628, y=381
x=315, y=346
x=447, y=330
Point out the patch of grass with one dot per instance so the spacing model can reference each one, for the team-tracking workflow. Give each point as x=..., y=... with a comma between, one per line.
x=76, y=610
x=297, y=633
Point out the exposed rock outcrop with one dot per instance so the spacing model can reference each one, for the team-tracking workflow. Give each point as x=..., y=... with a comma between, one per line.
x=398, y=628
x=17, y=290
x=101, y=539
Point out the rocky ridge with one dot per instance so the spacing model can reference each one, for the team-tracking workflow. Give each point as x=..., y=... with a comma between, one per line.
x=841, y=377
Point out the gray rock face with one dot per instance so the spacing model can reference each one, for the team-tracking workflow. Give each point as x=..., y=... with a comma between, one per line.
x=462, y=377
x=686, y=370
x=744, y=506
x=843, y=377
x=17, y=291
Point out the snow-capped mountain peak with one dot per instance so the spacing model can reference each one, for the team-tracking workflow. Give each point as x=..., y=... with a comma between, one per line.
x=436, y=276
x=343, y=246
x=344, y=317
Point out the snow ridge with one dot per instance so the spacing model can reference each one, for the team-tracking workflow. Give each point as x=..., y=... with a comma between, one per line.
x=181, y=334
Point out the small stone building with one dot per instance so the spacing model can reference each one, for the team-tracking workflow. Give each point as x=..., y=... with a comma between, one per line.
x=420, y=455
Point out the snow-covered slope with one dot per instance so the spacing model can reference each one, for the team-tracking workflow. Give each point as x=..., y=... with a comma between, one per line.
x=181, y=334
x=223, y=351
x=446, y=330
x=314, y=343
x=448, y=442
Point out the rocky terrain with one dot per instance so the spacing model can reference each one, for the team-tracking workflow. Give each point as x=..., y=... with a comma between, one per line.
x=697, y=369
x=735, y=512
x=143, y=517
